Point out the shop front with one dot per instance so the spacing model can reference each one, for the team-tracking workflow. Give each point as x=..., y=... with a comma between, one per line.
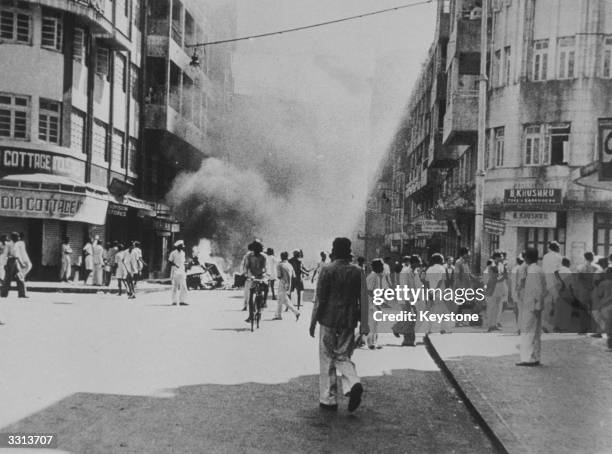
x=45, y=208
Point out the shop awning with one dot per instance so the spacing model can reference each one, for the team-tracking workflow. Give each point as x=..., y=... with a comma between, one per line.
x=592, y=182
x=145, y=207
x=46, y=196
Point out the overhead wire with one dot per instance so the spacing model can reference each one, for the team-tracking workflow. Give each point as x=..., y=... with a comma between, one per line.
x=307, y=27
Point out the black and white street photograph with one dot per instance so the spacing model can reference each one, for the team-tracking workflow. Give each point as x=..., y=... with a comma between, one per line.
x=306, y=226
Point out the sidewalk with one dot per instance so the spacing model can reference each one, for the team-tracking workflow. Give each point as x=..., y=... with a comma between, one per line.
x=79, y=287
x=564, y=406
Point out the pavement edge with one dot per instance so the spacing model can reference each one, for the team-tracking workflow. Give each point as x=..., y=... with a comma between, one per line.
x=476, y=414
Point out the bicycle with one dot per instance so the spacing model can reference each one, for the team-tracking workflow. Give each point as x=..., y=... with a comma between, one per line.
x=256, y=304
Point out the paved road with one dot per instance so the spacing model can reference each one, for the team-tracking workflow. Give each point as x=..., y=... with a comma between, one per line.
x=111, y=375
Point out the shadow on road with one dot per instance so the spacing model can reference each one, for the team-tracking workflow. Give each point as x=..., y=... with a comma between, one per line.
x=407, y=411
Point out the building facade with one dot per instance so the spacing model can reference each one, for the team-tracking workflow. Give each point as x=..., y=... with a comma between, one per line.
x=75, y=123
x=548, y=125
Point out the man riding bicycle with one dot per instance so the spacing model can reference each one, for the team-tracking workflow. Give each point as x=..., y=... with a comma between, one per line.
x=255, y=269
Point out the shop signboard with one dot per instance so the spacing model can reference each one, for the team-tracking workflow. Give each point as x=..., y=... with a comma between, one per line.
x=541, y=219
x=432, y=226
x=532, y=196
x=494, y=226
x=165, y=225
x=24, y=203
x=22, y=160
x=114, y=209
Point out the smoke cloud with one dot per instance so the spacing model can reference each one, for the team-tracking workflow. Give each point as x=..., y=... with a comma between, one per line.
x=299, y=153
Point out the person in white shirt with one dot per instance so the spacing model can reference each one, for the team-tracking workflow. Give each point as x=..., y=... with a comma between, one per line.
x=436, y=279
x=66, y=265
x=375, y=280
x=137, y=251
x=271, y=271
x=98, y=264
x=130, y=263
x=87, y=259
x=551, y=264
x=178, y=274
x=120, y=270
x=533, y=285
x=243, y=272
x=285, y=274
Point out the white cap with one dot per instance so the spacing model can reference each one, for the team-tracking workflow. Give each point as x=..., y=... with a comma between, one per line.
x=179, y=243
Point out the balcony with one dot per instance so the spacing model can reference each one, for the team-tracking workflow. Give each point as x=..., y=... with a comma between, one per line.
x=441, y=156
x=461, y=118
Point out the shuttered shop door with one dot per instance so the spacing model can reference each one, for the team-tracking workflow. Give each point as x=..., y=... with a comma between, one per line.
x=51, y=243
x=75, y=234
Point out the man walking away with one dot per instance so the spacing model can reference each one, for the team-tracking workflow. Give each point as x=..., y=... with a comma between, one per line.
x=14, y=268
x=271, y=269
x=409, y=277
x=255, y=269
x=178, y=274
x=285, y=273
x=532, y=296
x=338, y=303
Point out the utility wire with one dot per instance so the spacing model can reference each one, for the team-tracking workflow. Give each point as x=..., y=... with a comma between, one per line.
x=306, y=27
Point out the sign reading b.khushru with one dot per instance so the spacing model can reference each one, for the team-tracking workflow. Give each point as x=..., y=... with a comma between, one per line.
x=532, y=196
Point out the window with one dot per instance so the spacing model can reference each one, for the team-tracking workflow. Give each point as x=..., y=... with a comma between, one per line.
x=487, y=154
x=602, y=235
x=102, y=62
x=507, y=66
x=118, y=149
x=540, y=60
x=15, y=25
x=535, y=150
x=99, y=150
x=566, y=55
x=77, y=131
x=78, y=46
x=14, y=116
x=559, y=143
x=51, y=31
x=119, y=77
x=135, y=82
x=539, y=238
x=499, y=147
x=607, y=57
x=496, y=76
x=49, y=121
x=133, y=155
x=136, y=13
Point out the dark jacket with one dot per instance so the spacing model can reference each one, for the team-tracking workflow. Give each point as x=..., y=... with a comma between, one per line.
x=340, y=290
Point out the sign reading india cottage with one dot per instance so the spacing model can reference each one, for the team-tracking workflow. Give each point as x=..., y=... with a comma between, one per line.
x=32, y=161
x=532, y=196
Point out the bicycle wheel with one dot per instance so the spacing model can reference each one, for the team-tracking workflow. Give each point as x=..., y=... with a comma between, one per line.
x=258, y=304
x=251, y=313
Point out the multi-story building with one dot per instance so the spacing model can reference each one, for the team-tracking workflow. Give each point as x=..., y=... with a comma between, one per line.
x=547, y=121
x=183, y=100
x=73, y=107
x=69, y=130
x=548, y=118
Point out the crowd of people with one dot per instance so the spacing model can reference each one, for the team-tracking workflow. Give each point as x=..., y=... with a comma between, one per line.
x=97, y=264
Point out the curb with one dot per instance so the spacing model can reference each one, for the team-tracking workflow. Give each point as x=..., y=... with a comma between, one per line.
x=497, y=443
x=91, y=291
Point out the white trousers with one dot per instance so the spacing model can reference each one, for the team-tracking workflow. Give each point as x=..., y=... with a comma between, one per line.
x=531, y=335
x=179, y=288
x=335, y=350
x=284, y=300
x=98, y=274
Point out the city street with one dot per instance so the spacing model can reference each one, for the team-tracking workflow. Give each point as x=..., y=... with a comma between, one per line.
x=111, y=375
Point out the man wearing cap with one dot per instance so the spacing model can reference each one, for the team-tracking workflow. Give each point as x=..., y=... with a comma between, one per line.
x=178, y=274
x=551, y=264
x=340, y=303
